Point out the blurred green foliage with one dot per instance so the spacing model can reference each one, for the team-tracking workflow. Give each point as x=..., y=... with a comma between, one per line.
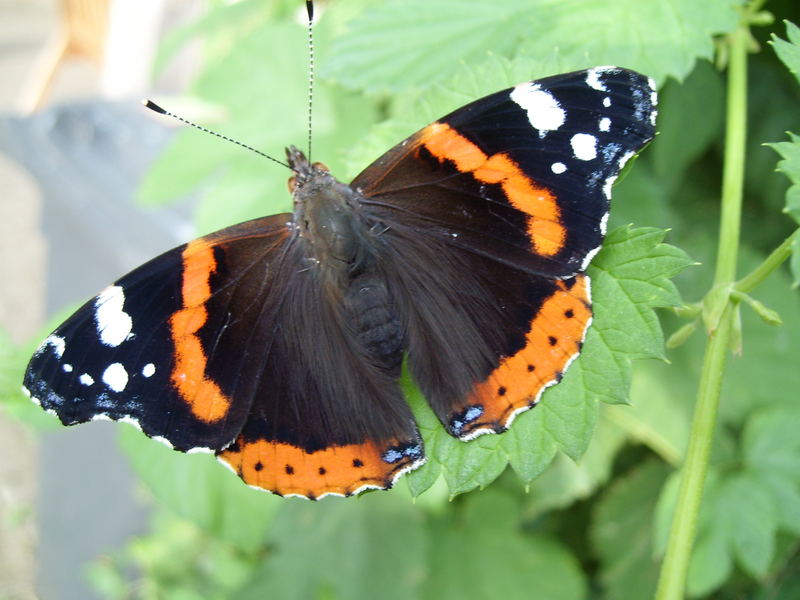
x=584, y=509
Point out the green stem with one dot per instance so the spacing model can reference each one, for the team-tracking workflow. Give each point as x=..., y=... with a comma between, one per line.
x=733, y=168
x=672, y=580
x=772, y=262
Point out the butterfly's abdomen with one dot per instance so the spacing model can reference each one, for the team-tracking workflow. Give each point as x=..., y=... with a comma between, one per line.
x=374, y=320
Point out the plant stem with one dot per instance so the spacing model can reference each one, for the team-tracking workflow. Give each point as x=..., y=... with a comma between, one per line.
x=772, y=262
x=672, y=580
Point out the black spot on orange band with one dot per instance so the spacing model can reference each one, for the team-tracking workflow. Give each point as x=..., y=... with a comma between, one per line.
x=286, y=469
x=552, y=341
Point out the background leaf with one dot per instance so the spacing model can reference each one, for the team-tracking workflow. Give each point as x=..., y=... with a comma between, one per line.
x=434, y=38
x=196, y=488
x=789, y=51
x=376, y=544
x=662, y=39
x=621, y=533
x=481, y=552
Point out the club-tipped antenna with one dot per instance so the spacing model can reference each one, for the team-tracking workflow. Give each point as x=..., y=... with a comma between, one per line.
x=156, y=108
x=310, y=11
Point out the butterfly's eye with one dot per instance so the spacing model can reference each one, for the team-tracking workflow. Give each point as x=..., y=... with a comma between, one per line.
x=320, y=166
x=292, y=183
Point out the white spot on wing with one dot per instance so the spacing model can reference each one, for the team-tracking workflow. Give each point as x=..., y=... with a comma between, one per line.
x=625, y=158
x=593, y=79
x=130, y=421
x=544, y=112
x=67, y=368
x=604, y=124
x=558, y=168
x=115, y=377
x=604, y=224
x=162, y=440
x=86, y=379
x=589, y=256
x=148, y=370
x=56, y=342
x=607, y=186
x=584, y=146
x=113, y=324
x=606, y=101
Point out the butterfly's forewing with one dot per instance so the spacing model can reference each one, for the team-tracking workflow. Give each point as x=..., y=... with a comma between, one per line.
x=522, y=176
x=507, y=200
x=153, y=348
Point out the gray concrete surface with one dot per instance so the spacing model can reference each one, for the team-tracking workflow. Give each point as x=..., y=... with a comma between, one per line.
x=68, y=227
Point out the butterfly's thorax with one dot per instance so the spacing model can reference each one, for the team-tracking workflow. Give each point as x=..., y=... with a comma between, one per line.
x=326, y=214
x=342, y=248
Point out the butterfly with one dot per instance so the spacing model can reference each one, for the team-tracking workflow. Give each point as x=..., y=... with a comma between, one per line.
x=277, y=344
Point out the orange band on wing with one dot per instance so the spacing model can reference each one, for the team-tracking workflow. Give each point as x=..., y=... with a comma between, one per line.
x=286, y=469
x=553, y=340
x=544, y=226
x=203, y=396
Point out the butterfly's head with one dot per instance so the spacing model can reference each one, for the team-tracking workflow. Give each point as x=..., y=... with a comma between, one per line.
x=325, y=210
x=305, y=172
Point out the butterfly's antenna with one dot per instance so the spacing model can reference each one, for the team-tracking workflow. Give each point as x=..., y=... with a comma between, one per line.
x=310, y=10
x=156, y=108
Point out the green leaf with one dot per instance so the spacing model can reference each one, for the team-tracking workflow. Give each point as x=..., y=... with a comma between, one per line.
x=711, y=563
x=789, y=52
x=622, y=535
x=661, y=39
x=771, y=448
x=228, y=18
x=414, y=43
x=630, y=277
x=356, y=549
x=790, y=166
x=660, y=410
x=750, y=520
x=483, y=553
x=176, y=560
x=743, y=510
x=436, y=36
x=566, y=481
x=199, y=489
x=694, y=105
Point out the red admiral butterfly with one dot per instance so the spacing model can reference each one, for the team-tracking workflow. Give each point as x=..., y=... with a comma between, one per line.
x=277, y=344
